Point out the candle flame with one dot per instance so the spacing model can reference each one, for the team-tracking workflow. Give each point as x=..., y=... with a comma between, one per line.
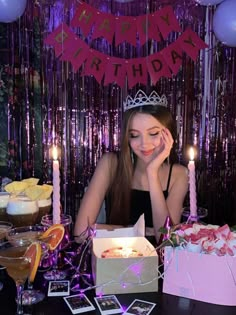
x=191, y=154
x=54, y=153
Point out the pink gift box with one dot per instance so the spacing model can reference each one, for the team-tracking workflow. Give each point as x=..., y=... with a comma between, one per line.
x=202, y=277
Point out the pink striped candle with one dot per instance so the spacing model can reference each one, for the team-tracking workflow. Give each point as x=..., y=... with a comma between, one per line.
x=192, y=185
x=56, y=187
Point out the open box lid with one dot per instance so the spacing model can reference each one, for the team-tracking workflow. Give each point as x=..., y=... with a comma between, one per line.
x=137, y=230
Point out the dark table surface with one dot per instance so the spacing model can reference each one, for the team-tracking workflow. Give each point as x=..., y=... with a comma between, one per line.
x=165, y=305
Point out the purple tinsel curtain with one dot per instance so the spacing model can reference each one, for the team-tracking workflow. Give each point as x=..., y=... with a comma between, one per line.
x=54, y=105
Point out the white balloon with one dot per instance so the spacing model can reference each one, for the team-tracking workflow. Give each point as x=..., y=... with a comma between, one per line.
x=224, y=23
x=209, y=2
x=11, y=10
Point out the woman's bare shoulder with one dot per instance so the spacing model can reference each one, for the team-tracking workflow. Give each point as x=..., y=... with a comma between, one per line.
x=179, y=178
x=108, y=160
x=108, y=164
x=109, y=157
x=180, y=170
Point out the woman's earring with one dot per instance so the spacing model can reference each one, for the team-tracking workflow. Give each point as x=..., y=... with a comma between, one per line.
x=132, y=157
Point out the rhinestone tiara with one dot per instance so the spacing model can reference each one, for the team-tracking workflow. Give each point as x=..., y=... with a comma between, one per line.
x=141, y=99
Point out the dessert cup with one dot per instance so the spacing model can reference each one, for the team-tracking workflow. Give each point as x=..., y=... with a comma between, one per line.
x=22, y=211
x=45, y=206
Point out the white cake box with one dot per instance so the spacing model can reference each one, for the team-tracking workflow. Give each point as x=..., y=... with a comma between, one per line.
x=124, y=275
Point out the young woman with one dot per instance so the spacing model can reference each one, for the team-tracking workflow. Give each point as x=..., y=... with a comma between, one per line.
x=143, y=177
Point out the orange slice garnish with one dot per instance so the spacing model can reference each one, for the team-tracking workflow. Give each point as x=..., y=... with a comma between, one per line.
x=33, y=252
x=53, y=235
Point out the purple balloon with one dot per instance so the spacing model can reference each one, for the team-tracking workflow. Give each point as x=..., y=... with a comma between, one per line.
x=209, y=2
x=11, y=10
x=224, y=23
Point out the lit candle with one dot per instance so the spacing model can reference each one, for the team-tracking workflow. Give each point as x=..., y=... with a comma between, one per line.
x=56, y=187
x=192, y=185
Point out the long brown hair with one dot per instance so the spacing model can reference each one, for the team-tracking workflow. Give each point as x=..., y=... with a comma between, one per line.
x=120, y=191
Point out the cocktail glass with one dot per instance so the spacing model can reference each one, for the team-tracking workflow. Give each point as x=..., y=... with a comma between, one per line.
x=18, y=266
x=47, y=221
x=29, y=234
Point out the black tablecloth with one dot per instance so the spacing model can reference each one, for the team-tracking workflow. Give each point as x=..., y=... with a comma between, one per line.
x=165, y=305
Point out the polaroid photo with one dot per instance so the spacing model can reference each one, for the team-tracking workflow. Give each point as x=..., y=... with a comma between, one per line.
x=79, y=303
x=59, y=288
x=140, y=307
x=108, y=304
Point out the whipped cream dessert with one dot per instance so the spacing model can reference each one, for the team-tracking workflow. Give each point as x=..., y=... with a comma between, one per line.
x=44, y=208
x=22, y=211
x=44, y=203
x=22, y=205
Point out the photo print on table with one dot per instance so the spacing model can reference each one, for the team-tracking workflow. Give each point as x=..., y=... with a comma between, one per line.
x=140, y=307
x=59, y=288
x=79, y=303
x=108, y=304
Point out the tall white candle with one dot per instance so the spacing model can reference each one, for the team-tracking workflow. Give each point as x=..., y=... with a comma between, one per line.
x=192, y=184
x=56, y=187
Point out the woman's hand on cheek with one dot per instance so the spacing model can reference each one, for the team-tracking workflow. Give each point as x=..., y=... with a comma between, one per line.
x=162, y=151
x=167, y=142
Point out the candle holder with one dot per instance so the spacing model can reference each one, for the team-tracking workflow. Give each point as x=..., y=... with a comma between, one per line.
x=55, y=273
x=201, y=213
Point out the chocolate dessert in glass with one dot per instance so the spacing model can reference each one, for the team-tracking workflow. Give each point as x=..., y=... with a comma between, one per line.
x=21, y=211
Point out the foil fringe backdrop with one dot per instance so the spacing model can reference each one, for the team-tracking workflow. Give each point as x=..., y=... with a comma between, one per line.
x=54, y=105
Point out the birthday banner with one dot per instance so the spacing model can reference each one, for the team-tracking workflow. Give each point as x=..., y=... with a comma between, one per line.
x=156, y=26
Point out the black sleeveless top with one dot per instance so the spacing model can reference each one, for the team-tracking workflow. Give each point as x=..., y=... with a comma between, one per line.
x=141, y=203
